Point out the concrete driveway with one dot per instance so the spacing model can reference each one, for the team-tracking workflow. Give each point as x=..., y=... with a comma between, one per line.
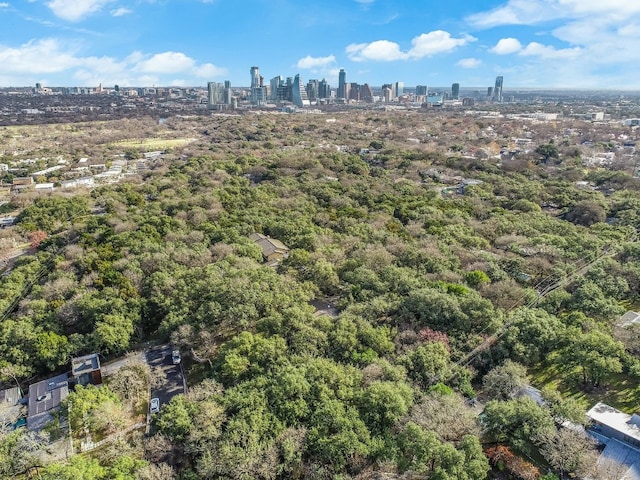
x=173, y=383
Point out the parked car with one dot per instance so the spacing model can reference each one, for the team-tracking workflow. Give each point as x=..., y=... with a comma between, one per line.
x=175, y=357
x=155, y=405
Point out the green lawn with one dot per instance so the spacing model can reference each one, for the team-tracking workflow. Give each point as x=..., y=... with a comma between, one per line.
x=620, y=390
x=153, y=143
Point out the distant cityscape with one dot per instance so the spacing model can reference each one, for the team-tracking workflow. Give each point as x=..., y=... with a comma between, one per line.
x=43, y=104
x=292, y=91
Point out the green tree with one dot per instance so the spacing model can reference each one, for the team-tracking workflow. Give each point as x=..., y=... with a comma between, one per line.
x=586, y=213
x=504, y=381
x=548, y=151
x=93, y=409
x=422, y=453
x=337, y=434
x=176, y=418
x=383, y=403
x=247, y=355
x=517, y=422
x=80, y=466
x=428, y=363
x=18, y=449
x=594, y=355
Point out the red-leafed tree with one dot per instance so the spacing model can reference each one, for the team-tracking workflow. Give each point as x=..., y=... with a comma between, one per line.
x=36, y=238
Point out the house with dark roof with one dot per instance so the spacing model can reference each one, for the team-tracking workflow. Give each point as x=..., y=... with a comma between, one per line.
x=86, y=369
x=44, y=398
x=272, y=250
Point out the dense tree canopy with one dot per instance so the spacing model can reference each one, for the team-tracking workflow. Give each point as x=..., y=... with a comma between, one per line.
x=416, y=274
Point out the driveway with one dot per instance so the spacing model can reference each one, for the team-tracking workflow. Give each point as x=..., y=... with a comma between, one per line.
x=172, y=384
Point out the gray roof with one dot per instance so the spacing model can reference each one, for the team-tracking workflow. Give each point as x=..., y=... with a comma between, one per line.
x=531, y=392
x=622, y=454
x=85, y=364
x=10, y=396
x=629, y=318
x=47, y=395
x=269, y=245
x=615, y=419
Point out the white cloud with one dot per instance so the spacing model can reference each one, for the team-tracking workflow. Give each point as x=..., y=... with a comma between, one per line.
x=4, y=5
x=424, y=45
x=76, y=10
x=531, y=12
x=209, y=70
x=309, y=62
x=629, y=30
x=469, y=63
x=437, y=41
x=166, y=62
x=23, y=65
x=548, y=52
x=381, y=50
x=506, y=46
x=28, y=58
x=515, y=12
x=119, y=12
x=594, y=39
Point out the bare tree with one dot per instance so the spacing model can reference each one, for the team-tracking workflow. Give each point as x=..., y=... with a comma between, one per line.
x=504, y=381
x=447, y=415
x=569, y=451
x=160, y=471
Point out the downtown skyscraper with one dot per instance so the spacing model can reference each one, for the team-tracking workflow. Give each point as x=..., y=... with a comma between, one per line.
x=497, y=90
x=342, y=84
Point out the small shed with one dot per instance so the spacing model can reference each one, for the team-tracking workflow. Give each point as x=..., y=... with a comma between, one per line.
x=10, y=404
x=86, y=369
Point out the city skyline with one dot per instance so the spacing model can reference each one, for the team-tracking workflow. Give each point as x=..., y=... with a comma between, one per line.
x=536, y=44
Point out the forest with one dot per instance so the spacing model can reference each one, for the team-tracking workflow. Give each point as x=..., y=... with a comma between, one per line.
x=458, y=271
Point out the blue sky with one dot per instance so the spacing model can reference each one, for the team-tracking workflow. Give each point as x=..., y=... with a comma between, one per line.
x=532, y=43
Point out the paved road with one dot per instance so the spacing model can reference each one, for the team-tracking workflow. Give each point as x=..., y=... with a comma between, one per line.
x=160, y=357
x=113, y=366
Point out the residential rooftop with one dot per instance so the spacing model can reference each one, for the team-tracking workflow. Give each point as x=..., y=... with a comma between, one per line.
x=623, y=423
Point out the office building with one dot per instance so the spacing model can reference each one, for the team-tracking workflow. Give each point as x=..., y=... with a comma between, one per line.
x=386, y=93
x=399, y=89
x=455, y=91
x=422, y=90
x=215, y=94
x=227, y=93
x=277, y=92
x=342, y=84
x=313, y=90
x=353, y=91
x=258, y=91
x=298, y=93
x=366, y=93
x=255, y=77
x=324, y=89
x=497, y=90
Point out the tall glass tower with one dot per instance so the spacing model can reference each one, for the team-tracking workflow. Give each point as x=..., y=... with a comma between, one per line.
x=497, y=90
x=342, y=84
x=455, y=91
x=255, y=77
x=298, y=93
